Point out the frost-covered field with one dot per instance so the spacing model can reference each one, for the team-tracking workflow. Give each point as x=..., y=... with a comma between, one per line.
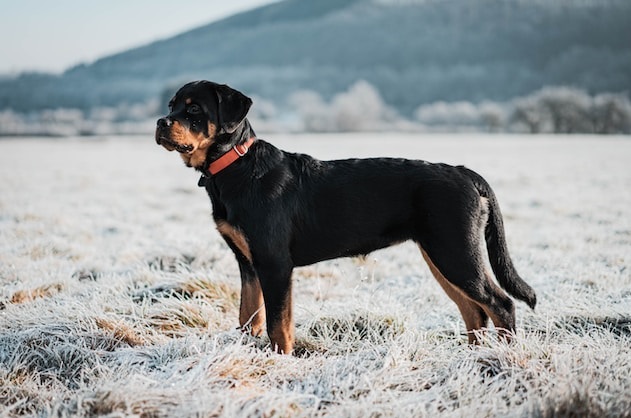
x=118, y=297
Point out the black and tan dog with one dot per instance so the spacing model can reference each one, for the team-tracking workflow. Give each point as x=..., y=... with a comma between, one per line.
x=278, y=210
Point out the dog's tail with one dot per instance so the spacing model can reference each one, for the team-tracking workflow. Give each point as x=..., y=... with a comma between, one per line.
x=495, y=237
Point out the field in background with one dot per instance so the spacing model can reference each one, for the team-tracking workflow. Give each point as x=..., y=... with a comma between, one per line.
x=118, y=297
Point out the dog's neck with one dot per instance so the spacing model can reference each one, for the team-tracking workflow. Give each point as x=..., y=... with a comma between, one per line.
x=225, y=142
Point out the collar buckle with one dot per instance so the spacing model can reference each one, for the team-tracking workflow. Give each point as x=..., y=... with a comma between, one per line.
x=243, y=151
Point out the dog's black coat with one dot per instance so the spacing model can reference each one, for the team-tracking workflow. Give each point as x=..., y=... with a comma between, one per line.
x=294, y=210
x=318, y=210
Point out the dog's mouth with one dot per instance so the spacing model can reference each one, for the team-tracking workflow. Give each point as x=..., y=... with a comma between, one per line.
x=171, y=145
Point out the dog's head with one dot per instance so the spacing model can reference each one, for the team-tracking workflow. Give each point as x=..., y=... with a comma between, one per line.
x=201, y=114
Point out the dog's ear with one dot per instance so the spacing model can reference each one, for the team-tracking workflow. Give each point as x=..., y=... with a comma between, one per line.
x=233, y=106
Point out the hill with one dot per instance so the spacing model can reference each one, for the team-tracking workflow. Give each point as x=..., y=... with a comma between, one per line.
x=412, y=51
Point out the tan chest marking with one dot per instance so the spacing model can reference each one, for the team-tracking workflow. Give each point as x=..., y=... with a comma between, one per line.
x=236, y=237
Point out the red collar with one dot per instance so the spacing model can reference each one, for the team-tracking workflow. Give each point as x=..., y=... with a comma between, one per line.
x=231, y=156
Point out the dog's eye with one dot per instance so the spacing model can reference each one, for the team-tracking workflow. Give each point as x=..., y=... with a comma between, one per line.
x=194, y=109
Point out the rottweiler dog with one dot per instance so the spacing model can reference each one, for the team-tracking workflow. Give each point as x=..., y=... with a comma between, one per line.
x=278, y=210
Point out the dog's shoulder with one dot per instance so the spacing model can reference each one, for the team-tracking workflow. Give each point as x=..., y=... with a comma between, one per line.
x=272, y=161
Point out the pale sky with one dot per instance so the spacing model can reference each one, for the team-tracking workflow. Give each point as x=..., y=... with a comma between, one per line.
x=53, y=35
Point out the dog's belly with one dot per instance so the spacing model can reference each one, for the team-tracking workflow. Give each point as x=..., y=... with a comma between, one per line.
x=348, y=233
x=320, y=248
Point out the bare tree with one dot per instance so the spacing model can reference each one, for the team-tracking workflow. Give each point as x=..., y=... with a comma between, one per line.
x=528, y=113
x=492, y=115
x=568, y=108
x=361, y=108
x=611, y=113
x=314, y=112
x=448, y=114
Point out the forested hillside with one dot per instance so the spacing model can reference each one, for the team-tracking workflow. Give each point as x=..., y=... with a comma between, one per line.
x=413, y=52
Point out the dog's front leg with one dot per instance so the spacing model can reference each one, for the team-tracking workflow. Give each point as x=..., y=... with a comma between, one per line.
x=252, y=310
x=275, y=280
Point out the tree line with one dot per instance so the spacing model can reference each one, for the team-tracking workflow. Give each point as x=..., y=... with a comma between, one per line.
x=548, y=110
x=358, y=108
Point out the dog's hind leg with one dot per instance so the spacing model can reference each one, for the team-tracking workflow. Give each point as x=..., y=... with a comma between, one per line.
x=462, y=274
x=475, y=318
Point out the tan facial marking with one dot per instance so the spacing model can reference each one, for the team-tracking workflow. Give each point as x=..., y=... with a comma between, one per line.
x=212, y=130
x=199, y=142
x=236, y=237
x=252, y=311
x=178, y=133
x=198, y=156
x=188, y=101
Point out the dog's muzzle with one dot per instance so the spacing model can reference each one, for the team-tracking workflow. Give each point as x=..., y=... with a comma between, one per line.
x=163, y=137
x=162, y=128
x=164, y=122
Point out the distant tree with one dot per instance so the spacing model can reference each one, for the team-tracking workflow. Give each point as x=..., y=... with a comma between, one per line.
x=571, y=110
x=11, y=123
x=492, y=116
x=263, y=109
x=611, y=113
x=568, y=108
x=448, y=114
x=528, y=113
x=313, y=111
x=361, y=108
x=61, y=116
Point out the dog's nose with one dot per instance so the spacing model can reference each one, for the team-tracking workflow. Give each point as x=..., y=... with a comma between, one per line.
x=164, y=122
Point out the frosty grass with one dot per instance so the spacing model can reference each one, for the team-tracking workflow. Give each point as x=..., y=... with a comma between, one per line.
x=119, y=298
